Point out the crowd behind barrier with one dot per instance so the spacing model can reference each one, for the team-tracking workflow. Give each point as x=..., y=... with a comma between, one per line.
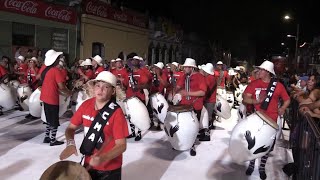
x=305, y=144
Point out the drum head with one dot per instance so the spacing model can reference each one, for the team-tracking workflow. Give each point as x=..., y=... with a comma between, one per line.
x=267, y=119
x=65, y=170
x=180, y=108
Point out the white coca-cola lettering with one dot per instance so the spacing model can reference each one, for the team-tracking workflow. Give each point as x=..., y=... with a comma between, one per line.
x=60, y=14
x=23, y=6
x=97, y=10
x=120, y=17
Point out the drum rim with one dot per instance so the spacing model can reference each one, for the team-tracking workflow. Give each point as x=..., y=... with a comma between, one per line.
x=125, y=100
x=182, y=110
x=154, y=94
x=23, y=85
x=265, y=117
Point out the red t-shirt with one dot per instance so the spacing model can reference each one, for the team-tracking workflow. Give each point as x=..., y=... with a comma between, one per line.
x=32, y=74
x=141, y=78
x=177, y=75
x=89, y=73
x=147, y=72
x=3, y=71
x=120, y=73
x=258, y=87
x=97, y=71
x=211, y=82
x=116, y=128
x=23, y=68
x=197, y=82
x=224, y=77
x=251, y=78
x=160, y=88
x=64, y=73
x=50, y=89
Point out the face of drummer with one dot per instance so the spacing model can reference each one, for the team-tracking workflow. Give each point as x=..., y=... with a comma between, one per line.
x=119, y=64
x=262, y=73
x=103, y=91
x=94, y=63
x=311, y=82
x=187, y=70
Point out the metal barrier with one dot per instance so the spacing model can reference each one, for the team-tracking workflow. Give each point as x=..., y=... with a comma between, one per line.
x=305, y=143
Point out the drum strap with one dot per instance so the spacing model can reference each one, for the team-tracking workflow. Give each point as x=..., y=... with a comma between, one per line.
x=187, y=85
x=43, y=74
x=270, y=92
x=95, y=137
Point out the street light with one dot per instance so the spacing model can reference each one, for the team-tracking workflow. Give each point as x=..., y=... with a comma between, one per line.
x=287, y=17
x=291, y=36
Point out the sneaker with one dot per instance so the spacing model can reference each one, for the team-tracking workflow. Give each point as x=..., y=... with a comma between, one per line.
x=56, y=143
x=132, y=135
x=211, y=126
x=138, y=137
x=28, y=116
x=249, y=171
x=159, y=128
x=205, y=136
x=46, y=140
x=263, y=175
x=193, y=151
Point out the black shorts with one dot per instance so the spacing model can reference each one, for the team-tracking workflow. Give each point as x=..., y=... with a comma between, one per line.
x=52, y=114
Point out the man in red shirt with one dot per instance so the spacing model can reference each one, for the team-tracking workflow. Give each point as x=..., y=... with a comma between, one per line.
x=97, y=65
x=104, y=162
x=222, y=76
x=3, y=69
x=21, y=70
x=135, y=82
x=86, y=73
x=192, y=87
x=257, y=93
x=173, y=77
x=53, y=83
x=32, y=72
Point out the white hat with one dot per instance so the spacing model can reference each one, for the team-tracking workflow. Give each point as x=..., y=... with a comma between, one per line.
x=107, y=77
x=51, y=57
x=112, y=60
x=98, y=59
x=136, y=57
x=34, y=59
x=118, y=59
x=140, y=58
x=268, y=66
x=189, y=62
x=219, y=62
x=159, y=65
x=21, y=58
x=208, y=68
x=175, y=63
x=237, y=68
x=231, y=72
x=201, y=66
x=61, y=63
x=87, y=62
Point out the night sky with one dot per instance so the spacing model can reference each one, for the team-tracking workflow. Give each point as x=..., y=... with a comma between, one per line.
x=249, y=28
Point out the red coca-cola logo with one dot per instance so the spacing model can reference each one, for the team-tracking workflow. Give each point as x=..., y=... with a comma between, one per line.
x=97, y=10
x=60, y=14
x=24, y=6
x=120, y=17
x=138, y=21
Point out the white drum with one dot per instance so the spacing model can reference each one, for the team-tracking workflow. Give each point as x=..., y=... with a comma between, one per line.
x=137, y=113
x=230, y=98
x=14, y=83
x=253, y=137
x=63, y=106
x=35, y=103
x=159, y=106
x=181, y=126
x=24, y=92
x=222, y=107
x=7, y=99
x=120, y=94
x=222, y=92
x=82, y=96
x=239, y=91
x=204, y=118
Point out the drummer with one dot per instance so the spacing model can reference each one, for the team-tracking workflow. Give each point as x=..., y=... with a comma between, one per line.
x=192, y=87
x=173, y=77
x=267, y=101
x=21, y=69
x=3, y=68
x=32, y=72
x=53, y=83
x=97, y=65
x=120, y=72
x=104, y=161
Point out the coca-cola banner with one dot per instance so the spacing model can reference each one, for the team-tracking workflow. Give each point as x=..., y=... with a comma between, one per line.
x=101, y=9
x=40, y=9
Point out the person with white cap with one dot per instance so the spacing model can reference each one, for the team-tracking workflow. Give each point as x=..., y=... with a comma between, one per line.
x=62, y=67
x=32, y=73
x=221, y=75
x=103, y=147
x=3, y=69
x=53, y=83
x=265, y=94
x=120, y=72
x=86, y=74
x=97, y=65
x=112, y=64
x=21, y=69
x=135, y=82
x=173, y=77
x=192, y=87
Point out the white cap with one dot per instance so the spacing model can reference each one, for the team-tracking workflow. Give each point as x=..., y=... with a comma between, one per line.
x=268, y=66
x=86, y=62
x=189, y=62
x=51, y=57
x=159, y=65
x=219, y=62
x=20, y=58
x=237, y=68
x=140, y=58
x=136, y=57
x=118, y=59
x=105, y=76
x=231, y=72
x=112, y=60
x=175, y=63
x=98, y=59
x=208, y=68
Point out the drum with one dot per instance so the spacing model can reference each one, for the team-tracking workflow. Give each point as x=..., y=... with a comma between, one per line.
x=181, y=126
x=230, y=98
x=253, y=137
x=63, y=107
x=24, y=92
x=204, y=118
x=137, y=113
x=222, y=107
x=82, y=96
x=222, y=92
x=242, y=112
x=239, y=91
x=65, y=170
x=120, y=94
x=7, y=99
x=159, y=106
x=35, y=103
x=14, y=84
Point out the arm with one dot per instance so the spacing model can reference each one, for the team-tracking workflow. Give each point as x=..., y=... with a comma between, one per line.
x=247, y=98
x=283, y=108
x=71, y=146
x=63, y=89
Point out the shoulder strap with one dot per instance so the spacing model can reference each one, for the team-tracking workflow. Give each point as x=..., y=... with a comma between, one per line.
x=95, y=137
x=221, y=73
x=43, y=74
x=270, y=91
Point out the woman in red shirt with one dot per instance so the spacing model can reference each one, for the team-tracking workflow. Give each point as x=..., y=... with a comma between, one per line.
x=31, y=73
